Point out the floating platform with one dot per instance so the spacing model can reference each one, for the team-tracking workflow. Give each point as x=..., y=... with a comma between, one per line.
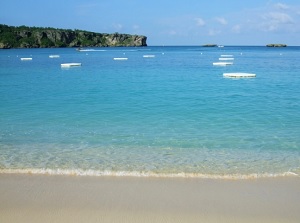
x=148, y=56
x=26, y=58
x=70, y=65
x=222, y=63
x=54, y=56
x=226, y=58
x=239, y=75
x=226, y=55
x=120, y=58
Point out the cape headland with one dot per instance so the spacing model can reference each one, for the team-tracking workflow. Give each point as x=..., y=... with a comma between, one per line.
x=40, y=37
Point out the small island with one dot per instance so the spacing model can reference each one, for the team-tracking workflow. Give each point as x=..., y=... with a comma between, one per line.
x=40, y=37
x=209, y=45
x=276, y=45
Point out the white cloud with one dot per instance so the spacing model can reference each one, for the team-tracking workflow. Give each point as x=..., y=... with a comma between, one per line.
x=236, y=29
x=213, y=32
x=281, y=6
x=86, y=9
x=200, y=22
x=278, y=18
x=222, y=21
x=172, y=32
x=135, y=27
x=117, y=26
x=273, y=21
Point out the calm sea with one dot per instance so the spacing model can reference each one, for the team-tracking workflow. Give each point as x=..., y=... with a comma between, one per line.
x=171, y=113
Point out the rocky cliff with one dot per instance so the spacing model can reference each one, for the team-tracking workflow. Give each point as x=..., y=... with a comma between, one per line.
x=37, y=37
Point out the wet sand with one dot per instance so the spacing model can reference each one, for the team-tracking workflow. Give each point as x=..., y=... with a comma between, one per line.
x=43, y=198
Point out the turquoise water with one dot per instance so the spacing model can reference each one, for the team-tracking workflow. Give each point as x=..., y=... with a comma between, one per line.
x=169, y=115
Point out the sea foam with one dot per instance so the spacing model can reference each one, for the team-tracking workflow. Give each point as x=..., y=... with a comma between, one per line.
x=97, y=173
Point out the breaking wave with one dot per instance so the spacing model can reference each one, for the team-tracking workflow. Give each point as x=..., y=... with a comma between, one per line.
x=97, y=173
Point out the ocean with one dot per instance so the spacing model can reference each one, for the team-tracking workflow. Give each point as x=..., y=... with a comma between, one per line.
x=162, y=111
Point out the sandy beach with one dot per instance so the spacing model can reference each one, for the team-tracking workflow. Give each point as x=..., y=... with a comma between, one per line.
x=44, y=198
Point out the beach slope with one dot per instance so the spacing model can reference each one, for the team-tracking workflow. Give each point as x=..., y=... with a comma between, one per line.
x=43, y=198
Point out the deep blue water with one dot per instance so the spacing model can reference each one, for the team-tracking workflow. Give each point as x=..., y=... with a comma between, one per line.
x=169, y=114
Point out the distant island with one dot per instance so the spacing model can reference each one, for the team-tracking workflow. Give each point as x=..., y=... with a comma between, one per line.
x=276, y=45
x=40, y=37
x=209, y=45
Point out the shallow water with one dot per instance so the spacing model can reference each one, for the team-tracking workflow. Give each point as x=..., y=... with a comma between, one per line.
x=172, y=114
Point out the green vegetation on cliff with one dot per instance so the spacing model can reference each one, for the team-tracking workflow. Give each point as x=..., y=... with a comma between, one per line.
x=39, y=37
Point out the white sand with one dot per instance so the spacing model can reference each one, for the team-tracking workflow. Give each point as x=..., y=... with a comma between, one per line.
x=43, y=198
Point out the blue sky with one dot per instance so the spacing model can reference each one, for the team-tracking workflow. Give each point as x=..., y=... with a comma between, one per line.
x=167, y=22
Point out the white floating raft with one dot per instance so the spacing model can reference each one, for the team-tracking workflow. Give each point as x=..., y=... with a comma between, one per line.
x=26, y=58
x=54, y=56
x=239, y=75
x=226, y=55
x=222, y=63
x=120, y=58
x=148, y=56
x=70, y=64
x=226, y=58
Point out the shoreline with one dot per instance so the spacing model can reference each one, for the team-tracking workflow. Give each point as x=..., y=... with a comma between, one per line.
x=145, y=174
x=54, y=198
